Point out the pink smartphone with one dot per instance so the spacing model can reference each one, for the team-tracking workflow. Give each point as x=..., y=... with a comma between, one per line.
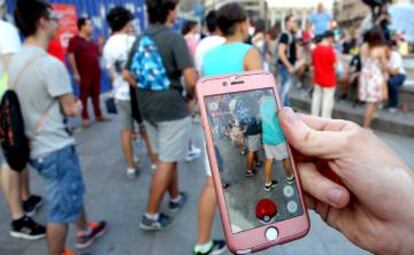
x=256, y=182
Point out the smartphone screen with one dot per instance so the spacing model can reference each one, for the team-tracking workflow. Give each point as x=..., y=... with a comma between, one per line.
x=251, y=151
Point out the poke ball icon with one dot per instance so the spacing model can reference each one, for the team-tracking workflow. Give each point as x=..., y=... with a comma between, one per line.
x=214, y=106
x=266, y=211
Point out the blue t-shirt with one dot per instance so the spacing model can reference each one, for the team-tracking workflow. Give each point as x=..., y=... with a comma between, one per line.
x=321, y=22
x=225, y=59
x=272, y=133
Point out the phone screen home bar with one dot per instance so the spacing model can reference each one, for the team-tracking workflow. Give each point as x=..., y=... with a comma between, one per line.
x=252, y=156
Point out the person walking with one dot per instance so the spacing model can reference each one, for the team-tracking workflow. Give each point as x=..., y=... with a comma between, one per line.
x=164, y=110
x=373, y=79
x=115, y=53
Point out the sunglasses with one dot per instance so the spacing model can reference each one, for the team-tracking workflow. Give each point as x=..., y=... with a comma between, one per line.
x=54, y=16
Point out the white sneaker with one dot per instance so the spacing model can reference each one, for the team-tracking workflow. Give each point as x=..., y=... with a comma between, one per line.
x=136, y=159
x=131, y=173
x=393, y=110
x=193, y=154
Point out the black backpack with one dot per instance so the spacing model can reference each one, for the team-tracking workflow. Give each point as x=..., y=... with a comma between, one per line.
x=15, y=143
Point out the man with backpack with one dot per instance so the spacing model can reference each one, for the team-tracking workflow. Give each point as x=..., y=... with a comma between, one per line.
x=15, y=182
x=42, y=85
x=158, y=60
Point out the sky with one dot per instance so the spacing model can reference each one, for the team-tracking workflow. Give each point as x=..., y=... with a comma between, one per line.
x=300, y=3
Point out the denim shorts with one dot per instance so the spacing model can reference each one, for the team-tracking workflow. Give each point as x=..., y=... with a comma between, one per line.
x=61, y=172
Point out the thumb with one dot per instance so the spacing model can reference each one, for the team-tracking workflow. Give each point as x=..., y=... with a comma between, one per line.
x=308, y=141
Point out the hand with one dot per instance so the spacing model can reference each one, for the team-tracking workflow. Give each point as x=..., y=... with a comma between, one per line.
x=372, y=202
x=101, y=41
x=291, y=69
x=79, y=106
x=77, y=78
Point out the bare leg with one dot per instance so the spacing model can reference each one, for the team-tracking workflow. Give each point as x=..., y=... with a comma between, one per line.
x=24, y=185
x=56, y=238
x=369, y=114
x=10, y=184
x=250, y=160
x=126, y=140
x=287, y=165
x=206, y=209
x=151, y=153
x=256, y=156
x=344, y=86
x=173, y=189
x=268, y=171
x=159, y=184
x=82, y=223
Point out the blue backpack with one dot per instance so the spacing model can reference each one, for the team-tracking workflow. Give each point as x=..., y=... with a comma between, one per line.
x=147, y=66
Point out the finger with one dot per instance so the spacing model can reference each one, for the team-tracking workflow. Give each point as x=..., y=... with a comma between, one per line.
x=308, y=141
x=323, y=124
x=299, y=157
x=321, y=188
x=309, y=201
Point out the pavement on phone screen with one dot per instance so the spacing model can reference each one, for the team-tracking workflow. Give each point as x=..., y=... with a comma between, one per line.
x=111, y=196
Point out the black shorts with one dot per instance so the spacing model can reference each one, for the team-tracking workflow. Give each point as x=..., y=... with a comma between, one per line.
x=136, y=114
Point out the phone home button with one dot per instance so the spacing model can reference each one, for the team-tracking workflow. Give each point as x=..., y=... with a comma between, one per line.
x=272, y=234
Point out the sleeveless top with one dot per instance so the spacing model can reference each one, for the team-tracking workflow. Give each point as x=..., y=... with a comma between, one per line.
x=372, y=81
x=225, y=59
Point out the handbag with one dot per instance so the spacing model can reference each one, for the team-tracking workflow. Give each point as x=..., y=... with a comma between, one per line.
x=110, y=105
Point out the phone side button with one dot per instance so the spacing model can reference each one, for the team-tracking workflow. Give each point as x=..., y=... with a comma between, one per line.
x=271, y=234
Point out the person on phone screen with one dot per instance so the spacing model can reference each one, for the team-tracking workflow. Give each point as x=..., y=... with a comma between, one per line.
x=252, y=133
x=274, y=142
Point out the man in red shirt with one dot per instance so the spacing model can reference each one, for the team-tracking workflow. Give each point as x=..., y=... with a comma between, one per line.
x=324, y=63
x=55, y=49
x=83, y=56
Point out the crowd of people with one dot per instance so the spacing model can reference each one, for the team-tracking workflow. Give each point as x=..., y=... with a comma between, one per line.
x=160, y=105
x=325, y=57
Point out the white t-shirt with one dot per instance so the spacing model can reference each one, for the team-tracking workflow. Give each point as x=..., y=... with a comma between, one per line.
x=9, y=43
x=396, y=61
x=40, y=84
x=9, y=39
x=204, y=46
x=115, y=54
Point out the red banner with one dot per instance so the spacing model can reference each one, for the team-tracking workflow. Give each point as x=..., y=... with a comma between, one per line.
x=67, y=24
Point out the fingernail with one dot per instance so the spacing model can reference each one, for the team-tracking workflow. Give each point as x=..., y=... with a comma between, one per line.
x=290, y=115
x=335, y=196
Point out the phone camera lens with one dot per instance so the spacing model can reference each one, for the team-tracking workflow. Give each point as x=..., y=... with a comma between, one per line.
x=225, y=83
